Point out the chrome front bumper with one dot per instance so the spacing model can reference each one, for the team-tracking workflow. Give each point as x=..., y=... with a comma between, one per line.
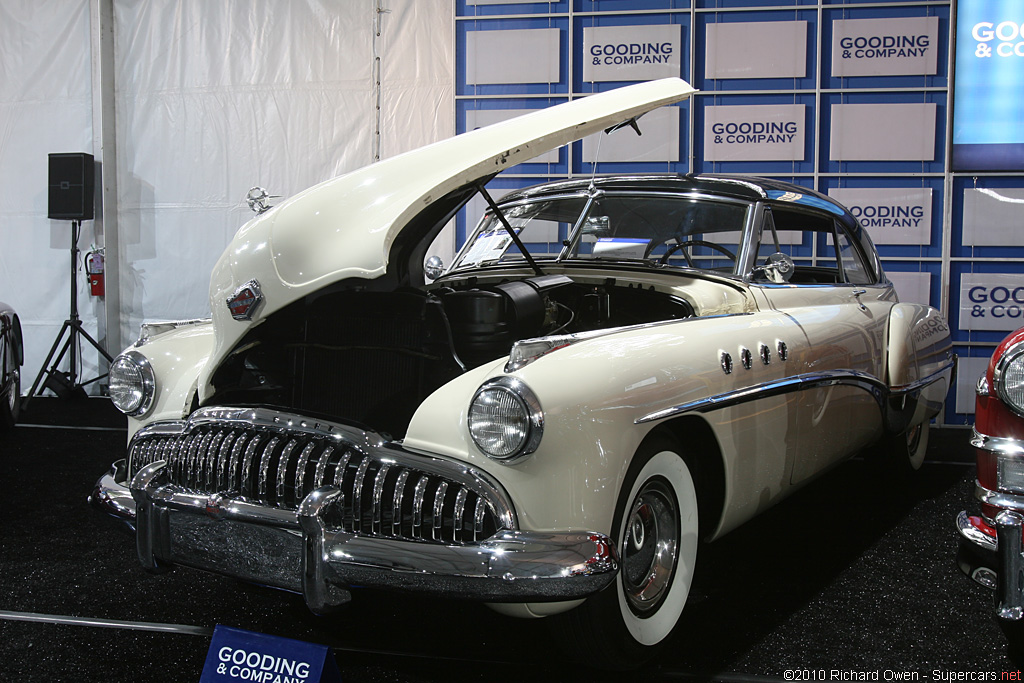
x=1006, y=548
x=295, y=551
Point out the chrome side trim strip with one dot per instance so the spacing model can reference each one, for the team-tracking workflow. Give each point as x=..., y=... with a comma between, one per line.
x=810, y=380
x=768, y=390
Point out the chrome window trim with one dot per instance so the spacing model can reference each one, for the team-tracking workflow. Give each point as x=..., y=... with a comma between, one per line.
x=575, y=231
x=871, y=260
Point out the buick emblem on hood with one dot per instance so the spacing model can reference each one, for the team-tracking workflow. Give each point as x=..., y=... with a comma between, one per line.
x=245, y=300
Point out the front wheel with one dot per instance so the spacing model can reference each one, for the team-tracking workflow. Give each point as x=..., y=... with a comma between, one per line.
x=655, y=532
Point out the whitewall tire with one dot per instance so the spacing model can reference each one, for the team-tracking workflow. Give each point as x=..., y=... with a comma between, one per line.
x=656, y=535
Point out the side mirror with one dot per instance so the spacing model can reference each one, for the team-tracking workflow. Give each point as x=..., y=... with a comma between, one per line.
x=433, y=267
x=777, y=268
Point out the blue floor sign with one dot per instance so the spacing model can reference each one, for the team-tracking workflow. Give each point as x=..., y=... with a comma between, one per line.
x=237, y=655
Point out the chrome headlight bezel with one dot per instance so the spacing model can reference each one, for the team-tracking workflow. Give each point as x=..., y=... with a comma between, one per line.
x=1008, y=378
x=515, y=394
x=135, y=370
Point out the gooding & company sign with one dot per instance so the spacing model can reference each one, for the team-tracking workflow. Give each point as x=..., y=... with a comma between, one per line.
x=885, y=47
x=631, y=53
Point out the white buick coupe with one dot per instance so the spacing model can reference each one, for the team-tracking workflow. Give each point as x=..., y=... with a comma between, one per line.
x=612, y=371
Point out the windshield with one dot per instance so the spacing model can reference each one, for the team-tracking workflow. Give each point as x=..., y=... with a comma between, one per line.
x=655, y=228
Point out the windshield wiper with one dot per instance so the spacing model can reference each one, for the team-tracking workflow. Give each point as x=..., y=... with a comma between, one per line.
x=508, y=228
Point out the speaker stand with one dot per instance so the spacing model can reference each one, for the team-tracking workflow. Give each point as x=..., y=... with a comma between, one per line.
x=66, y=384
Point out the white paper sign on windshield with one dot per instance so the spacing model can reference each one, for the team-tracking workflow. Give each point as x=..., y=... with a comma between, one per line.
x=488, y=246
x=620, y=247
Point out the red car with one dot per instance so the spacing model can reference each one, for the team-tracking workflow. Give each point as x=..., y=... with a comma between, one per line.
x=999, y=448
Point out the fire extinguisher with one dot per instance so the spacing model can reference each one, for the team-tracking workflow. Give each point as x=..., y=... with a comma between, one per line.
x=94, y=269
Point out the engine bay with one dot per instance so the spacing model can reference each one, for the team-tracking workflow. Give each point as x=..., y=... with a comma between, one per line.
x=486, y=319
x=371, y=357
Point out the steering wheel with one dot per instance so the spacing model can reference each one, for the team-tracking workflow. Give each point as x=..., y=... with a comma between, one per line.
x=692, y=243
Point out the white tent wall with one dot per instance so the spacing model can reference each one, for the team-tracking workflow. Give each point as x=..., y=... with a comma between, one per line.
x=418, y=85
x=45, y=106
x=211, y=98
x=214, y=98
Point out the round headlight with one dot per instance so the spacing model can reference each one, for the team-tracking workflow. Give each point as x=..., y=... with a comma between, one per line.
x=1008, y=378
x=505, y=419
x=132, y=383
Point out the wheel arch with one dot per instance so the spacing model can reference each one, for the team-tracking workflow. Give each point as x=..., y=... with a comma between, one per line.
x=703, y=456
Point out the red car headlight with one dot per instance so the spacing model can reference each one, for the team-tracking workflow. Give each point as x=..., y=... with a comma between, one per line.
x=1008, y=378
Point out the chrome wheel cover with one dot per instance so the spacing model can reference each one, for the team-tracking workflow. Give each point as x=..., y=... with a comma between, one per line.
x=914, y=438
x=649, y=549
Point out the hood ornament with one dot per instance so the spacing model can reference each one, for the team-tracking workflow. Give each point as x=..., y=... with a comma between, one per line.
x=245, y=300
x=258, y=200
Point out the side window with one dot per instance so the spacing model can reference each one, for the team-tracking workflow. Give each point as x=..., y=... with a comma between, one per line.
x=857, y=270
x=804, y=237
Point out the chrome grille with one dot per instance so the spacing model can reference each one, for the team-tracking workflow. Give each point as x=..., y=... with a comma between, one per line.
x=276, y=468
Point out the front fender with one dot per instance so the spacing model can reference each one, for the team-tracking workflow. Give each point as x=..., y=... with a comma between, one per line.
x=177, y=358
x=594, y=396
x=571, y=481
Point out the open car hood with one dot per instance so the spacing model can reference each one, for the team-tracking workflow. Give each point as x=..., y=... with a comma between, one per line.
x=345, y=227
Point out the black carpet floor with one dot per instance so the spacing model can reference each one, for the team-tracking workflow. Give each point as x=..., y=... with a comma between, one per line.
x=852, y=576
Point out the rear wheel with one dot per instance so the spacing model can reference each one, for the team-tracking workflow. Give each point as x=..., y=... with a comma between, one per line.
x=903, y=453
x=655, y=532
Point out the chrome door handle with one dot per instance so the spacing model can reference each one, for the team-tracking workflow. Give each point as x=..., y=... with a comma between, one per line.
x=857, y=293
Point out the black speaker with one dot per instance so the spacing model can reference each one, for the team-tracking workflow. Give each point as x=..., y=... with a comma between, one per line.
x=71, y=186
